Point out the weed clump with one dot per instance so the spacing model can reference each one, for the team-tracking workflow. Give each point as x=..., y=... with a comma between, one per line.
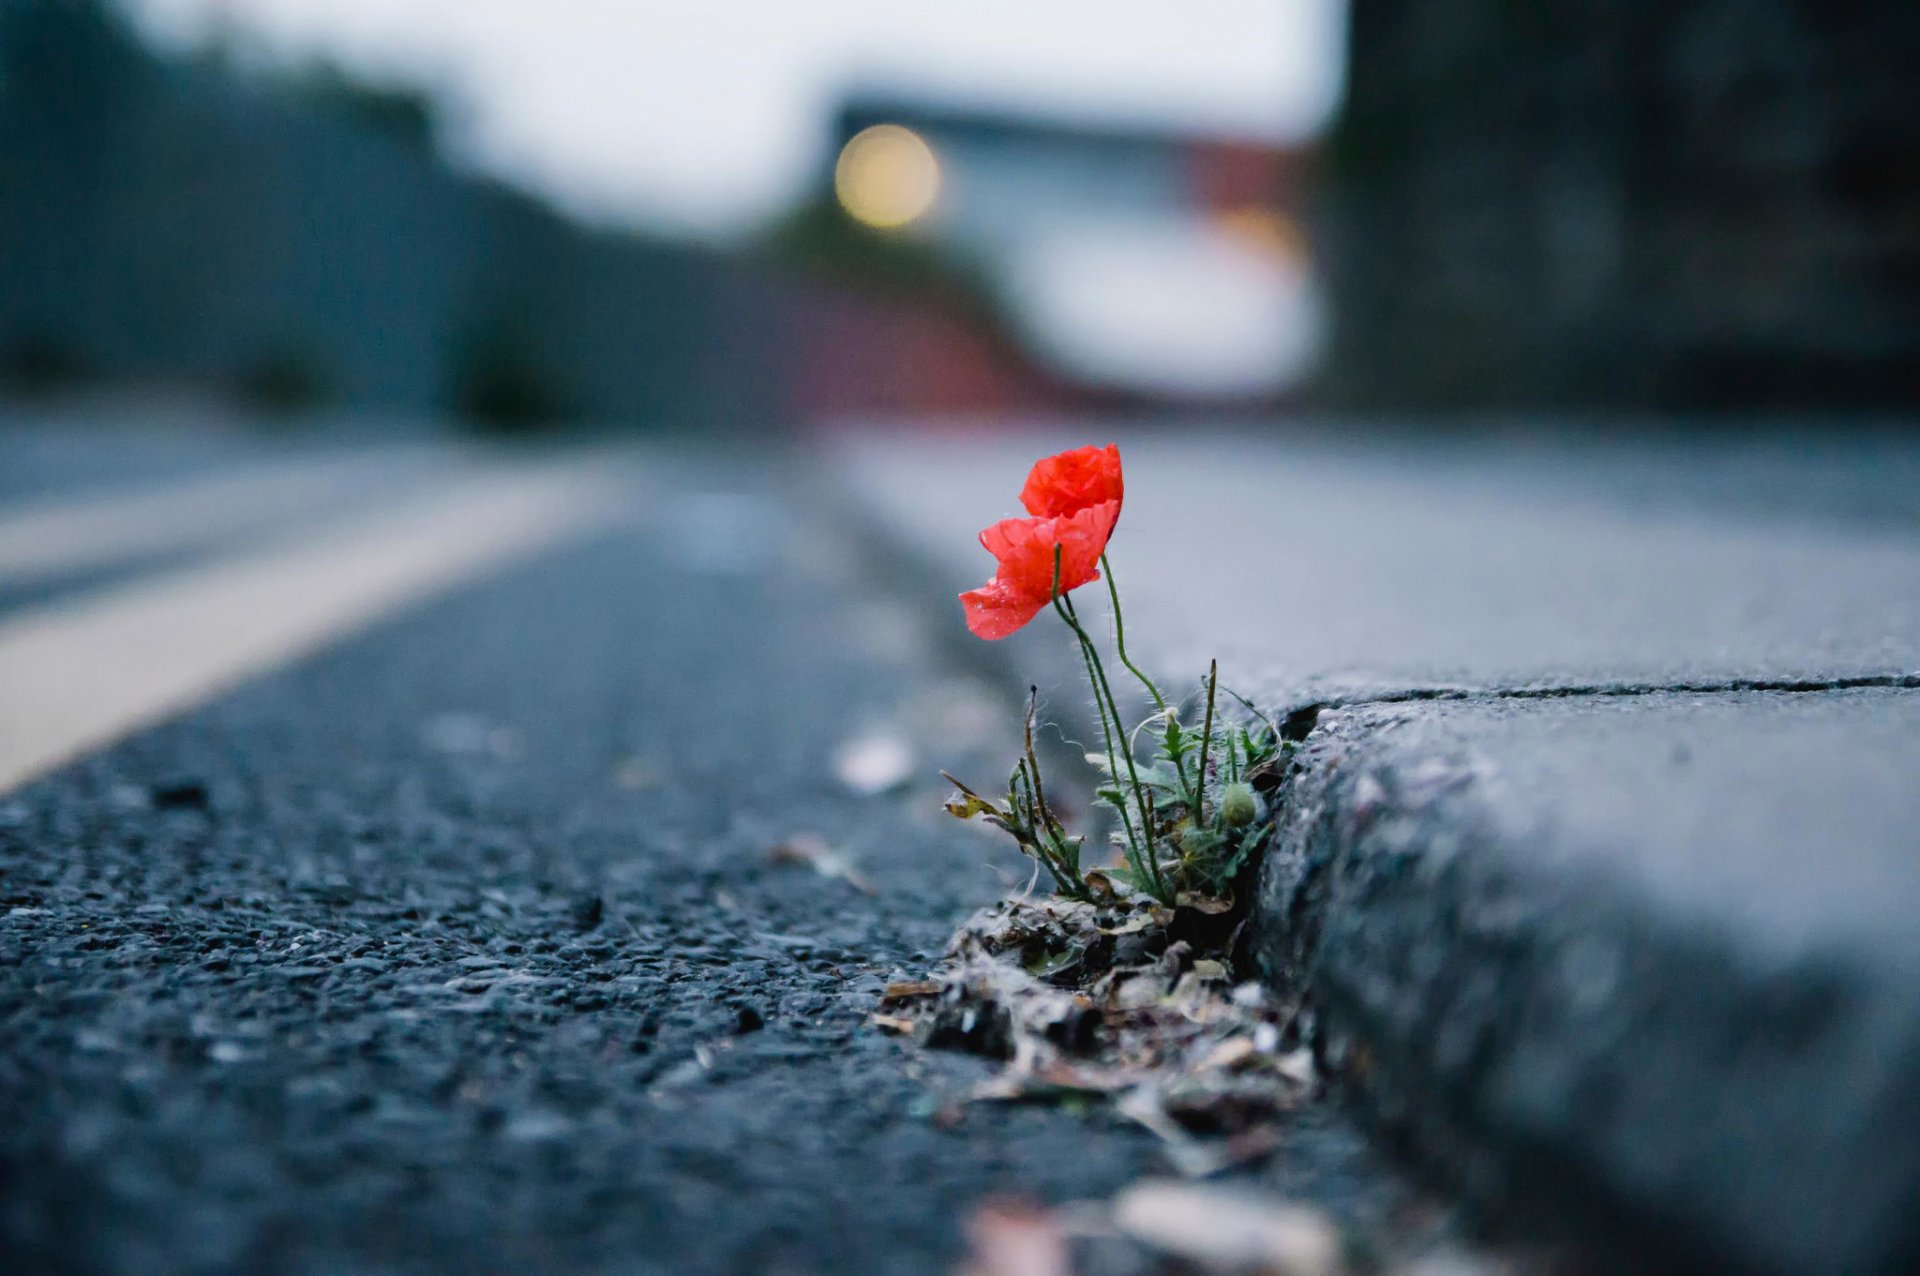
x=1120, y=986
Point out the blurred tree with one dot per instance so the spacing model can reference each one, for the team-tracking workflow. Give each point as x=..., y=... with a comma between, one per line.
x=169, y=221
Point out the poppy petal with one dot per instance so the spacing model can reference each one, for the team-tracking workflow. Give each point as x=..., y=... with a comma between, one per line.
x=1024, y=548
x=996, y=609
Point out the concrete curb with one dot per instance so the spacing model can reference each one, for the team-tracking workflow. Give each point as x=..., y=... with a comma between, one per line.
x=1561, y=1042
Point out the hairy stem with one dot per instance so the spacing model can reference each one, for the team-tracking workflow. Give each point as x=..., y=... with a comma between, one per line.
x=1120, y=636
x=1041, y=851
x=1106, y=732
x=1139, y=849
x=1206, y=735
x=1051, y=830
x=1102, y=687
x=1206, y=740
x=1033, y=763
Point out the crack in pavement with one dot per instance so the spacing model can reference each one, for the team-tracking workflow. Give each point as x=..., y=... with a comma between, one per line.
x=1306, y=711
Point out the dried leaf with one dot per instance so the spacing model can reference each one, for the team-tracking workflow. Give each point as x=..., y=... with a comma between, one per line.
x=1052, y=1081
x=1012, y=1238
x=1225, y=1230
x=1228, y=1053
x=1141, y=992
x=968, y=805
x=1297, y=1066
x=892, y=1023
x=814, y=853
x=901, y=990
x=1189, y=1155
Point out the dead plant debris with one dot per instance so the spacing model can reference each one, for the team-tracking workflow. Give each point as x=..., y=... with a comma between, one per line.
x=1127, y=1002
x=1162, y=1228
x=1014, y=1238
x=809, y=850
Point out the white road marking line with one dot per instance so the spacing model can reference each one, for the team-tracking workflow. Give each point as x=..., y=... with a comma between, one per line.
x=80, y=675
x=116, y=525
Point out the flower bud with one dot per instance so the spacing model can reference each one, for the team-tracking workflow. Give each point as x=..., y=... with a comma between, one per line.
x=1239, y=806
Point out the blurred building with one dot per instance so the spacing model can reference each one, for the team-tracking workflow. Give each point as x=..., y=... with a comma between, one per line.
x=1103, y=264
x=298, y=239
x=1678, y=203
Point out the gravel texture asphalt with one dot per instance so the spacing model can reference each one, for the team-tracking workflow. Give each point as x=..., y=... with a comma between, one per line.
x=457, y=947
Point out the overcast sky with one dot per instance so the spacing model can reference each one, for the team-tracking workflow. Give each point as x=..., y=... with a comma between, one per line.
x=710, y=114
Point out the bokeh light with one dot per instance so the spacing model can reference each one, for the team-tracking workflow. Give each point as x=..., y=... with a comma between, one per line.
x=1267, y=231
x=886, y=176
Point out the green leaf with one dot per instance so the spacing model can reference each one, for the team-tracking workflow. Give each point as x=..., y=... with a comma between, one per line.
x=1160, y=776
x=1049, y=964
x=1249, y=843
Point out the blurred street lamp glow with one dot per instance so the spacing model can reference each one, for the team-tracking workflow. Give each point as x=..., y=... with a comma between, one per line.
x=1266, y=231
x=886, y=176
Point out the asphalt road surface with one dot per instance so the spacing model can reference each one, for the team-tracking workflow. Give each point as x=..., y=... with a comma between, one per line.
x=423, y=918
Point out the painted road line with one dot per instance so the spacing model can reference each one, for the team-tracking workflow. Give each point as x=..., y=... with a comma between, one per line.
x=77, y=676
x=121, y=525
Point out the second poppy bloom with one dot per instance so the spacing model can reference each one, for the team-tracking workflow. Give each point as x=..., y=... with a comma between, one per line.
x=1072, y=481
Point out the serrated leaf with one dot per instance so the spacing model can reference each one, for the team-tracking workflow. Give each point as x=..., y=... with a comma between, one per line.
x=1249, y=842
x=1160, y=776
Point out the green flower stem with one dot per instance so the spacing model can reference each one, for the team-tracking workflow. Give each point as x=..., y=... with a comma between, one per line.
x=1195, y=793
x=1120, y=636
x=1090, y=656
x=1106, y=732
x=1064, y=606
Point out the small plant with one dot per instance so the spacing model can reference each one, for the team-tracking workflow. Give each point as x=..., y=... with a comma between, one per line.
x=1190, y=813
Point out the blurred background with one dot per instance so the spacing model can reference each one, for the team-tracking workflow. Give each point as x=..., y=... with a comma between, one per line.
x=673, y=215
x=1541, y=348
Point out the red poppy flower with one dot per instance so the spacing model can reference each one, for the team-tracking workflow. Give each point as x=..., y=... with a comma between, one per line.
x=1072, y=481
x=1075, y=501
